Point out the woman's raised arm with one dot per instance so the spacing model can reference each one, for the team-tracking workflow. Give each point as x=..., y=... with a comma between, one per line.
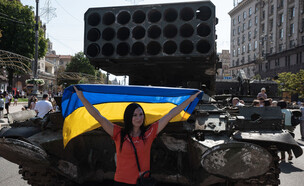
x=104, y=122
x=162, y=123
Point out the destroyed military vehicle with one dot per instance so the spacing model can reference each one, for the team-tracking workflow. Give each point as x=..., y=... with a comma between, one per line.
x=169, y=45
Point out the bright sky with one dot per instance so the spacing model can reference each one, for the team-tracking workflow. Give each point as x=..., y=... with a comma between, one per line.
x=66, y=30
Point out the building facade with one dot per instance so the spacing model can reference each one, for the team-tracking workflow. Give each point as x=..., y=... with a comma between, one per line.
x=224, y=72
x=267, y=37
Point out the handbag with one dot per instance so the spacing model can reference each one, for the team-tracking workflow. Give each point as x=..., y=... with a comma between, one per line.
x=142, y=180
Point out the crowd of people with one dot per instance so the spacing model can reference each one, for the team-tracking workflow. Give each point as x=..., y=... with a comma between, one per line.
x=263, y=101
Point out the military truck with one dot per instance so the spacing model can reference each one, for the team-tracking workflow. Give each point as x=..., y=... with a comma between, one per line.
x=169, y=45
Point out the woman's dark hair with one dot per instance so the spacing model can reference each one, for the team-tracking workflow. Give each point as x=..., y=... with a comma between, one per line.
x=128, y=116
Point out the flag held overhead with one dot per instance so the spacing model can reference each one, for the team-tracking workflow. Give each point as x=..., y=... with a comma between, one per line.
x=111, y=101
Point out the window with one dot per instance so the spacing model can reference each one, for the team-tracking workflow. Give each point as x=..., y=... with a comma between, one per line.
x=277, y=62
x=263, y=15
x=292, y=12
x=250, y=11
x=271, y=24
x=249, y=24
x=291, y=29
x=244, y=26
x=239, y=51
x=249, y=58
x=244, y=49
x=280, y=3
x=239, y=29
x=256, y=20
x=244, y=15
x=256, y=8
x=238, y=41
x=255, y=44
x=280, y=47
x=249, y=35
x=239, y=19
x=263, y=28
x=255, y=31
x=233, y=42
x=271, y=50
x=281, y=33
x=233, y=32
x=233, y=21
x=282, y=18
x=249, y=46
x=243, y=38
x=287, y=61
x=234, y=54
x=291, y=43
x=271, y=9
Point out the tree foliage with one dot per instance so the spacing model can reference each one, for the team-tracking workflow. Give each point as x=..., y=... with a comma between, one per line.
x=81, y=64
x=17, y=27
x=292, y=82
x=17, y=24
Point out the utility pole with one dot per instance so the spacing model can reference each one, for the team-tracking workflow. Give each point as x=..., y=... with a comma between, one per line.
x=35, y=65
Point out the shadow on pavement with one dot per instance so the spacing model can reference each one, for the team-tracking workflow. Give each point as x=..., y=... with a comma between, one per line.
x=289, y=168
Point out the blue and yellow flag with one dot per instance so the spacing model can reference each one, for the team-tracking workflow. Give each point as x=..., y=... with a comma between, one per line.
x=112, y=100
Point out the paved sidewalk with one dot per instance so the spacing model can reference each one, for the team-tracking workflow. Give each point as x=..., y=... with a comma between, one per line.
x=12, y=109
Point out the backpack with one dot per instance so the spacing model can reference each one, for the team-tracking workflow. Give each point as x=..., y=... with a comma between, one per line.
x=295, y=117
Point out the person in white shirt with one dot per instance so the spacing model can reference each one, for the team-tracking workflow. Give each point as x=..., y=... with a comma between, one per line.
x=236, y=102
x=43, y=106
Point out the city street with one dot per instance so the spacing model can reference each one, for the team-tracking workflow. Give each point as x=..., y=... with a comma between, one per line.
x=292, y=173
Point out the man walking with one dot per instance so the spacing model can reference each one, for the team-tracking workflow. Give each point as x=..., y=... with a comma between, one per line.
x=302, y=121
x=43, y=106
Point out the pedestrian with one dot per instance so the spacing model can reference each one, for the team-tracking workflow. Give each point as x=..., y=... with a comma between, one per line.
x=15, y=100
x=236, y=102
x=1, y=106
x=33, y=103
x=262, y=94
x=302, y=121
x=287, y=124
x=255, y=103
x=133, y=135
x=43, y=106
x=7, y=102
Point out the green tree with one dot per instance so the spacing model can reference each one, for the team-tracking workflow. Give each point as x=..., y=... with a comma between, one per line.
x=292, y=82
x=79, y=64
x=17, y=24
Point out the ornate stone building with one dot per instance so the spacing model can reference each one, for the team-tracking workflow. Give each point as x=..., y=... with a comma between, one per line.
x=267, y=37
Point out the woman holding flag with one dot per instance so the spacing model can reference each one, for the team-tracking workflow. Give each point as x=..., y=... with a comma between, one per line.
x=134, y=136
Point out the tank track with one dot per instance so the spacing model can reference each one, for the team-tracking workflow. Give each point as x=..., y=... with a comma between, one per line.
x=269, y=178
x=43, y=177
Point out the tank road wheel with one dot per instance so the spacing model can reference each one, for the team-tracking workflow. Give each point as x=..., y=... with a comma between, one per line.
x=41, y=176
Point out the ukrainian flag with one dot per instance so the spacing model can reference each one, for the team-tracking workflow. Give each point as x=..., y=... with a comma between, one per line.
x=111, y=101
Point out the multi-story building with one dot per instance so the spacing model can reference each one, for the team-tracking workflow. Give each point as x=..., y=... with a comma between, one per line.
x=267, y=37
x=224, y=72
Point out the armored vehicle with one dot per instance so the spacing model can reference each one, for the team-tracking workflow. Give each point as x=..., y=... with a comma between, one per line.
x=165, y=45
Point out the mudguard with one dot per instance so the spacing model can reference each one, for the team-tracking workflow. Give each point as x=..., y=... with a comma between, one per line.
x=282, y=139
